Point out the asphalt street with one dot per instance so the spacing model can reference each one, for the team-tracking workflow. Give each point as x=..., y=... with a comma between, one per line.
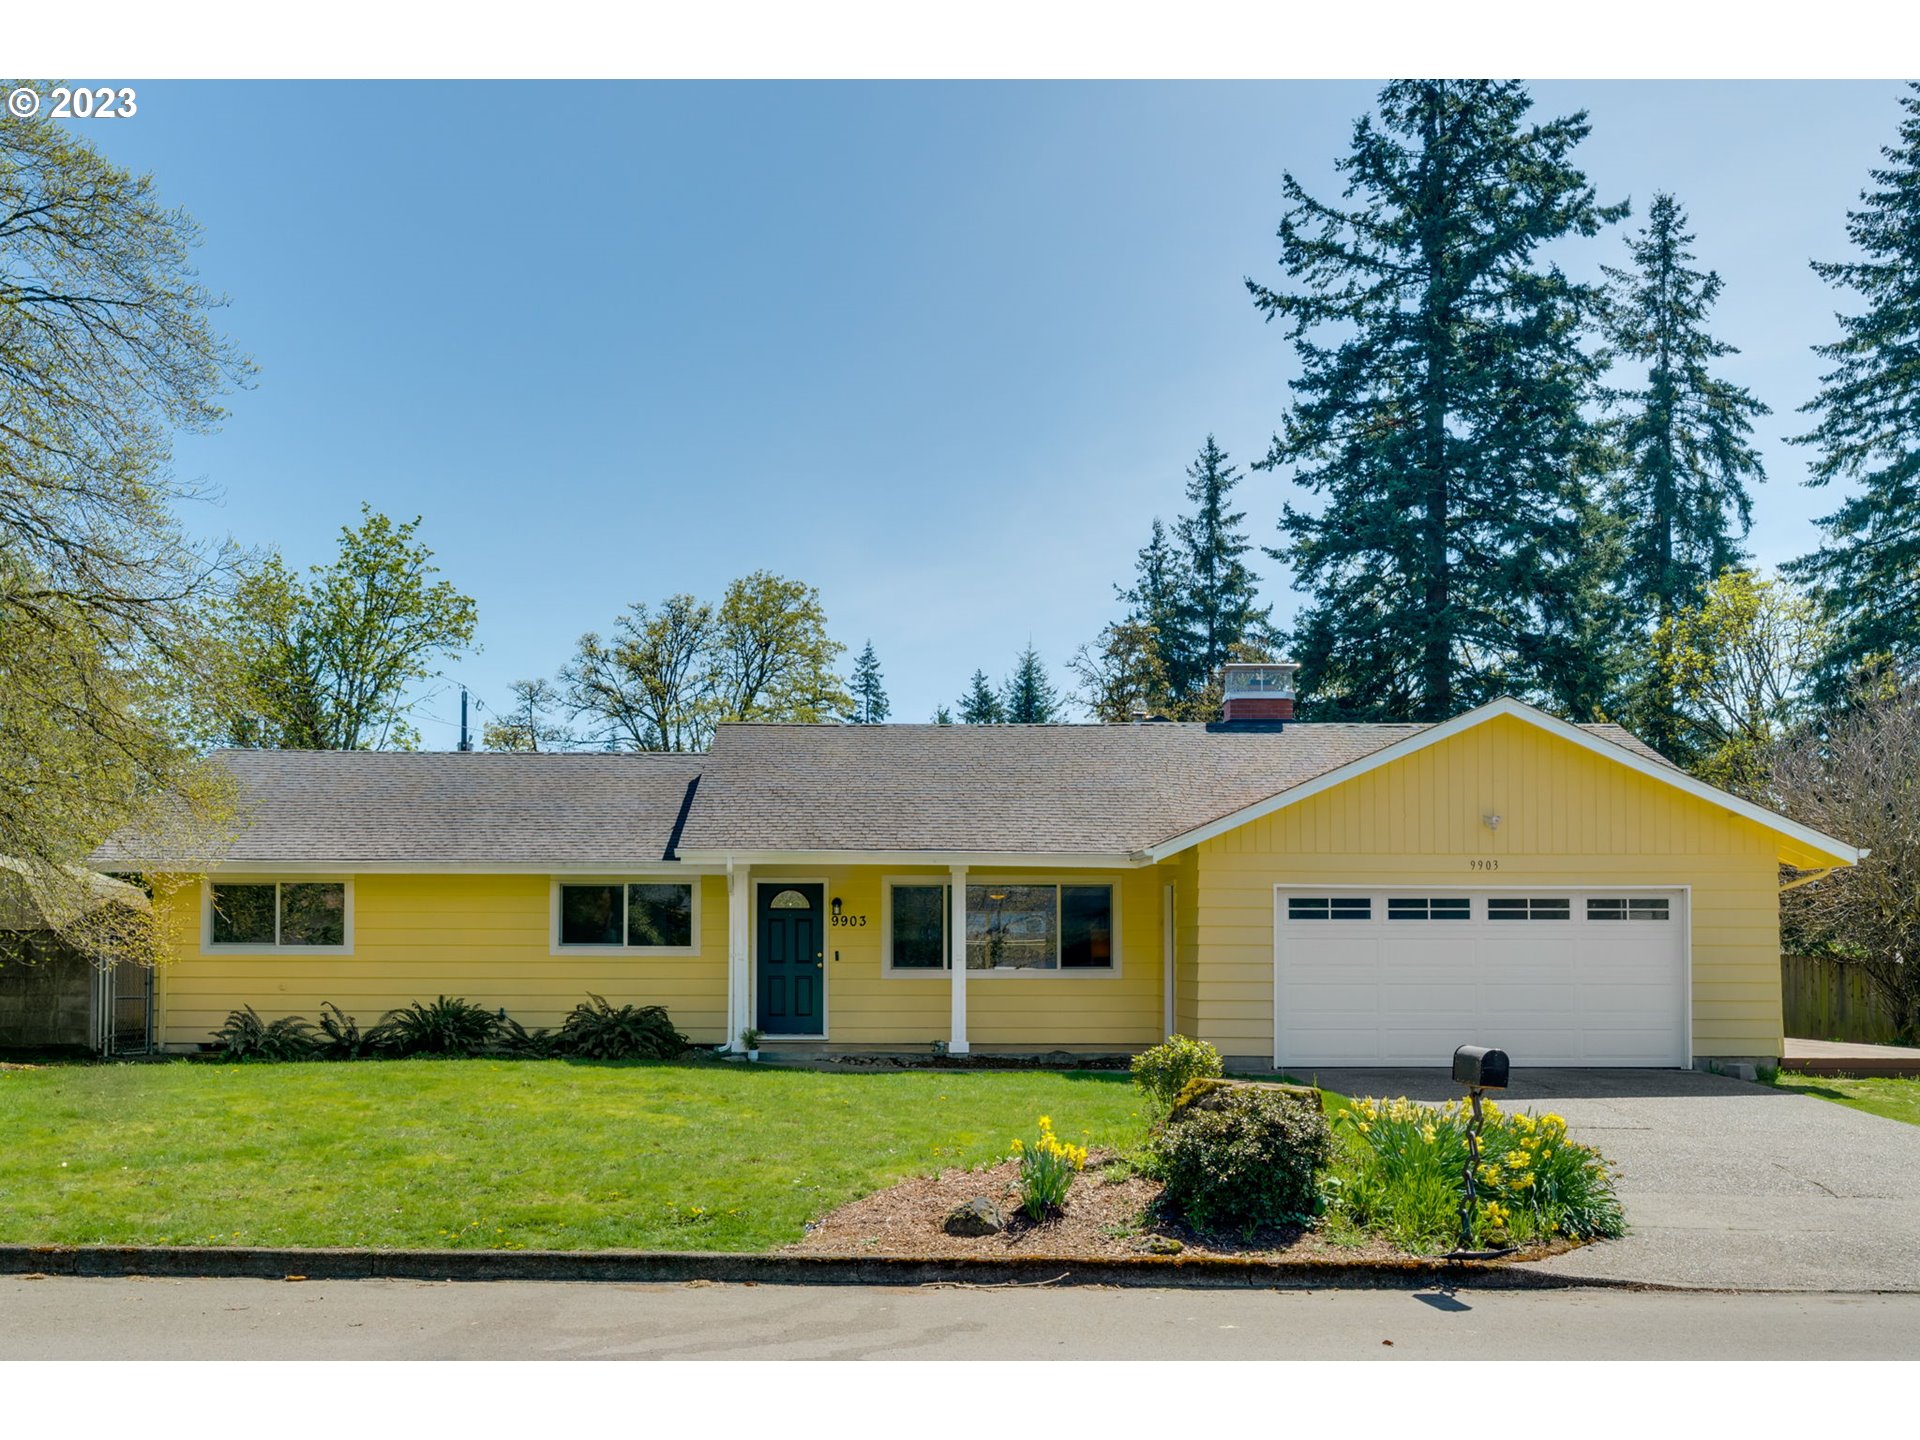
x=60, y=1318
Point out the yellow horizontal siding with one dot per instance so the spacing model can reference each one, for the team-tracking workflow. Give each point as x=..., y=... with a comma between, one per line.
x=866, y=1006
x=481, y=937
x=1567, y=817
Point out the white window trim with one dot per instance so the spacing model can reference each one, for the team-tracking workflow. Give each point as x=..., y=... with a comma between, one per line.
x=944, y=972
x=554, y=947
x=250, y=947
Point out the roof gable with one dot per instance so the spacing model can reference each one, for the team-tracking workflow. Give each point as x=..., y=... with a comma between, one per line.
x=1621, y=749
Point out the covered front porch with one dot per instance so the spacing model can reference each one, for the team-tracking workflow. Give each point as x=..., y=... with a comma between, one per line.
x=896, y=955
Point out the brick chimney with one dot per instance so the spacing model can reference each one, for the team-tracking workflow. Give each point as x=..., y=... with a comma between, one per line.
x=1257, y=692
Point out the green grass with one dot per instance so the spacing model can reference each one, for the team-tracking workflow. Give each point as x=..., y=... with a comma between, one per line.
x=1896, y=1099
x=500, y=1153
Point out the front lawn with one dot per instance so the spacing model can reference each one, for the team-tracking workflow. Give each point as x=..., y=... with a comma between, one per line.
x=699, y=1155
x=1896, y=1099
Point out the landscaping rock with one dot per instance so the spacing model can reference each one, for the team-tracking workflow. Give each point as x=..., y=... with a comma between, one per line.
x=1164, y=1245
x=978, y=1216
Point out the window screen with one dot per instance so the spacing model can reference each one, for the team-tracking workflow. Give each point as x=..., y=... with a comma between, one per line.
x=1086, y=927
x=919, y=927
x=660, y=916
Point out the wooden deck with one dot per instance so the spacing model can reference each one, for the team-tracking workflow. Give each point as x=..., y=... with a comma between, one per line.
x=1828, y=1057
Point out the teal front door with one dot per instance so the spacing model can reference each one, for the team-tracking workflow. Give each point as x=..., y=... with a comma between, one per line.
x=791, y=945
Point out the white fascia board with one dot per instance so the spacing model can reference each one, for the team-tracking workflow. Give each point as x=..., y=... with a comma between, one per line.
x=981, y=859
x=421, y=867
x=1506, y=705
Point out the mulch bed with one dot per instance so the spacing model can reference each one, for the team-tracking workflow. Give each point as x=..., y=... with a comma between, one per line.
x=1104, y=1220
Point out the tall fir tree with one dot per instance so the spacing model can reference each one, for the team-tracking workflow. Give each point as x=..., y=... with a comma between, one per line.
x=1866, y=570
x=1443, y=420
x=1680, y=495
x=1217, y=608
x=1028, y=698
x=980, y=705
x=870, y=704
x=1160, y=579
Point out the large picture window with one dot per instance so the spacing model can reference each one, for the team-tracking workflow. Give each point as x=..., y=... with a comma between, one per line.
x=637, y=915
x=1011, y=926
x=278, y=915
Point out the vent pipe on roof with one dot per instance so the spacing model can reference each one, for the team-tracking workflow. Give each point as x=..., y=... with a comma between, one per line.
x=466, y=741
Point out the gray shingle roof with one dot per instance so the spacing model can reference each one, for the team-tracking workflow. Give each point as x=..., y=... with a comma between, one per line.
x=1012, y=789
x=393, y=807
x=1001, y=789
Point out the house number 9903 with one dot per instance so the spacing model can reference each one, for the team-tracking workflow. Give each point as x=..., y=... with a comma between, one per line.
x=1483, y=864
x=851, y=921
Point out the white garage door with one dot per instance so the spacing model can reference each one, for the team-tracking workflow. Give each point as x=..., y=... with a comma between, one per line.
x=1402, y=976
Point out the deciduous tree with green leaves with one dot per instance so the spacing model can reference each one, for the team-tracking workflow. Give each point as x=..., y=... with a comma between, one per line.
x=1680, y=495
x=1866, y=570
x=1122, y=674
x=333, y=661
x=669, y=674
x=1737, y=665
x=528, y=725
x=1441, y=413
x=107, y=656
x=773, y=658
x=870, y=705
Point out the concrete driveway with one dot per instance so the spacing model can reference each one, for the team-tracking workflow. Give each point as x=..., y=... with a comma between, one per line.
x=1726, y=1184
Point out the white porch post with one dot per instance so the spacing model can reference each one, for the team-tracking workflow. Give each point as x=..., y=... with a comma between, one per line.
x=739, y=921
x=957, y=950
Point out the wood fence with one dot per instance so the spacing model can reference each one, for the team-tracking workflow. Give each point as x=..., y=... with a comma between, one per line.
x=1824, y=1000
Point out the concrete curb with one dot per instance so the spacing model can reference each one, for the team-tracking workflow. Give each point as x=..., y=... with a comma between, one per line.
x=679, y=1267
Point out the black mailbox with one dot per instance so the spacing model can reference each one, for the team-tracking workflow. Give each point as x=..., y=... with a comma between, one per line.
x=1480, y=1067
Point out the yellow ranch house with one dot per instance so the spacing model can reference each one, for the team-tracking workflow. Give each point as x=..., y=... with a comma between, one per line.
x=1298, y=894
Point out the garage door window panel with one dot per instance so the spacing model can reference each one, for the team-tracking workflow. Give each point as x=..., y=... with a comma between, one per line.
x=1531, y=907
x=1330, y=907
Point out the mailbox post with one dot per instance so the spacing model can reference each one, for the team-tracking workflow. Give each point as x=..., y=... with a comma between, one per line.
x=1479, y=1069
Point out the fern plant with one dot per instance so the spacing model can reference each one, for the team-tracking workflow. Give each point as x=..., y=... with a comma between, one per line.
x=442, y=1027
x=596, y=1030
x=341, y=1037
x=245, y=1036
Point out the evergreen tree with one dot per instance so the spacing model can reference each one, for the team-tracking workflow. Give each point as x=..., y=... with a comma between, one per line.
x=1215, y=610
x=1160, y=581
x=1028, y=697
x=980, y=706
x=1681, y=495
x=1458, y=553
x=942, y=715
x=1867, y=568
x=870, y=705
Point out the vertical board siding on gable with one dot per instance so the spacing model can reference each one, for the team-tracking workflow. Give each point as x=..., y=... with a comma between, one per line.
x=484, y=938
x=1567, y=817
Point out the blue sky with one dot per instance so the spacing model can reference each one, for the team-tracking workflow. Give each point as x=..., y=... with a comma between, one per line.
x=941, y=350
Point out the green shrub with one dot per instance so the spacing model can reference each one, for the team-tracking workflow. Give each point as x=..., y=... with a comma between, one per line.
x=245, y=1036
x=1244, y=1158
x=596, y=1030
x=1047, y=1167
x=341, y=1037
x=1401, y=1174
x=524, y=1044
x=445, y=1027
x=1165, y=1070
